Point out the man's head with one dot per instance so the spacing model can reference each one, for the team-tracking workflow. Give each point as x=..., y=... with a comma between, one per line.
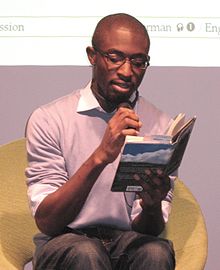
x=119, y=56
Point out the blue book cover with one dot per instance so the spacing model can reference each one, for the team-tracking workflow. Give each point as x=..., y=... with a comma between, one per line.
x=154, y=152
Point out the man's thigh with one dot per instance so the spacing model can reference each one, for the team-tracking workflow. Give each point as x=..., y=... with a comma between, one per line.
x=72, y=251
x=133, y=250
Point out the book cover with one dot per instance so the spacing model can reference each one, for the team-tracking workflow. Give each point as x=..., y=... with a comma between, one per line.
x=158, y=151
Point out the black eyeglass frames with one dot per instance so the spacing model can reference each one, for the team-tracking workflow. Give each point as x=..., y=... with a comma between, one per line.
x=118, y=58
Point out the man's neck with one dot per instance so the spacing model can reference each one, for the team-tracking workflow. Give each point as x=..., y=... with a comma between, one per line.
x=109, y=106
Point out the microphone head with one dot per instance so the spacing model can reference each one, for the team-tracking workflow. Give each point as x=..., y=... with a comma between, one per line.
x=125, y=104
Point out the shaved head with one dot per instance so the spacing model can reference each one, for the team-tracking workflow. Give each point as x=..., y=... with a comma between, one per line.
x=120, y=46
x=121, y=20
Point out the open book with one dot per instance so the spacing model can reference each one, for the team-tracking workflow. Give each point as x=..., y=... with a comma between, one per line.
x=156, y=151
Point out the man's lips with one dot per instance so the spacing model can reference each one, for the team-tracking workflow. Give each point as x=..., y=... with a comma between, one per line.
x=124, y=85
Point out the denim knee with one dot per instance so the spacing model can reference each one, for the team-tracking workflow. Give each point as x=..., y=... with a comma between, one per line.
x=89, y=254
x=90, y=249
x=155, y=255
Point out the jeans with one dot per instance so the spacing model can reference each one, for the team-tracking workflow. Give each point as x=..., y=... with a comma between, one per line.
x=103, y=248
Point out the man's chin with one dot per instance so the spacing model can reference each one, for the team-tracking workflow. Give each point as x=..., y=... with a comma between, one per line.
x=119, y=93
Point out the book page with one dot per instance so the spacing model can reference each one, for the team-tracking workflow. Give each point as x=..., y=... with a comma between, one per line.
x=178, y=122
x=188, y=125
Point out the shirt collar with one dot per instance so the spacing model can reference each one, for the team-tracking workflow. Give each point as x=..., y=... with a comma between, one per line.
x=87, y=100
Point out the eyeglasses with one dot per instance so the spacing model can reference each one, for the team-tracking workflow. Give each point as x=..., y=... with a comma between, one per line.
x=117, y=59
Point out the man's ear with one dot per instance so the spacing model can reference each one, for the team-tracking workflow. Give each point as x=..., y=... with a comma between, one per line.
x=91, y=53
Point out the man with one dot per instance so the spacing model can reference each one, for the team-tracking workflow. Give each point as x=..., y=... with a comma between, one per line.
x=74, y=146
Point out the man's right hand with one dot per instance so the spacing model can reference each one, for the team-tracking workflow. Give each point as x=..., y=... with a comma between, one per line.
x=124, y=122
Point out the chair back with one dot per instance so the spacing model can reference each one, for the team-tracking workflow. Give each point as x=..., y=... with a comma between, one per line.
x=17, y=227
x=187, y=230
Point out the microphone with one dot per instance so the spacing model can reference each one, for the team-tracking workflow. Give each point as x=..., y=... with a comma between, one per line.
x=125, y=104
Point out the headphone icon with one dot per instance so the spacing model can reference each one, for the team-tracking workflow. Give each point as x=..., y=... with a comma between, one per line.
x=179, y=27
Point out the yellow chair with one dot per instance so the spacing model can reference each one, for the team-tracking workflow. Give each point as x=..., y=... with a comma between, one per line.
x=186, y=226
x=16, y=224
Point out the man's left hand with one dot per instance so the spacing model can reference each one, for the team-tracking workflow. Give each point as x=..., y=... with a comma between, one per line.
x=156, y=185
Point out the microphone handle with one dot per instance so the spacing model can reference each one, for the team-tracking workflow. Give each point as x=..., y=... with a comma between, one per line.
x=125, y=105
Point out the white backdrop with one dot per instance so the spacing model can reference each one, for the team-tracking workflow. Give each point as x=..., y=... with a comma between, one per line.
x=46, y=32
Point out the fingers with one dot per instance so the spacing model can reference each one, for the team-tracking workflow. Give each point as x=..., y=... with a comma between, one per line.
x=158, y=179
x=128, y=120
x=124, y=122
x=155, y=183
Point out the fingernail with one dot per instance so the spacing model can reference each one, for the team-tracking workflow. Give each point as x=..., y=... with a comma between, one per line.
x=148, y=172
x=136, y=177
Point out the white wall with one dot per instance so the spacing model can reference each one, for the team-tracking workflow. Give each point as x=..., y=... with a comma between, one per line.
x=174, y=89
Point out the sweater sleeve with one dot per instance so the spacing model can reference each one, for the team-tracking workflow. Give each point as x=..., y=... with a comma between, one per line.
x=46, y=166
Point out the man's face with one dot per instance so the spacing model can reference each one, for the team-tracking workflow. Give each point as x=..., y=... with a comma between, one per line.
x=117, y=82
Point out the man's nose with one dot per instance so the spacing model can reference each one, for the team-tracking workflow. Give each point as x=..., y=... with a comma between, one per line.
x=126, y=68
